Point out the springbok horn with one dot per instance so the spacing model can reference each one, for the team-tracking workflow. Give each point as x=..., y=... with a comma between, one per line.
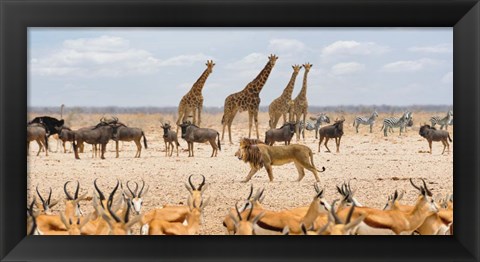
x=429, y=193
x=41, y=198
x=320, y=194
x=129, y=189
x=395, y=195
x=349, y=216
x=49, y=197
x=238, y=211
x=251, y=191
x=141, y=190
x=69, y=197
x=316, y=188
x=190, y=182
x=76, y=190
x=127, y=213
x=415, y=186
x=259, y=195
x=337, y=219
x=201, y=184
x=110, y=201
x=102, y=197
x=250, y=213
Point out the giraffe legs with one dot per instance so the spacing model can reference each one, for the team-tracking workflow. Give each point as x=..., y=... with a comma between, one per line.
x=255, y=118
x=199, y=111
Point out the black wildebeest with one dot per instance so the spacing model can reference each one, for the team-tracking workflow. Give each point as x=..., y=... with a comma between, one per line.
x=432, y=134
x=170, y=138
x=39, y=133
x=332, y=131
x=284, y=133
x=127, y=134
x=192, y=133
x=100, y=134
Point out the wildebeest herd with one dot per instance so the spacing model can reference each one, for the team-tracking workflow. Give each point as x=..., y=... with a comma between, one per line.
x=111, y=214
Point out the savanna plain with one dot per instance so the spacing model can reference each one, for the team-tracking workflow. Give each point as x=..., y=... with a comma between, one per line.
x=374, y=165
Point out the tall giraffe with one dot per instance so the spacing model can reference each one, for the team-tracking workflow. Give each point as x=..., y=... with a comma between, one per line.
x=279, y=106
x=247, y=100
x=192, y=102
x=300, y=106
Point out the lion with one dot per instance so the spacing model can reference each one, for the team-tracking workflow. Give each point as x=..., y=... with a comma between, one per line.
x=259, y=155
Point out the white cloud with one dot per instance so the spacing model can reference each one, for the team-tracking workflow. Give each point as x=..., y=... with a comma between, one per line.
x=347, y=68
x=354, y=48
x=410, y=65
x=448, y=78
x=253, y=60
x=436, y=49
x=104, y=56
x=286, y=45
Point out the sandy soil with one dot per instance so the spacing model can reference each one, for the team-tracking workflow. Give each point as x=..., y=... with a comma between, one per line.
x=375, y=165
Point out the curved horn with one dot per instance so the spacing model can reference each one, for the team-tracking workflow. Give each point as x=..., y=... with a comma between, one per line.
x=190, y=182
x=251, y=192
x=415, y=186
x=201, y=184
x=41, y=198
x=127, y=213
x=110, y=201
x=429, y=193
x=141, y=190
x=77, y=190
x=238, y=211
x=129, y=189
x=250, y=213
x=69, y=197
x=102, y=197
x=49, y=196
x=349, y=216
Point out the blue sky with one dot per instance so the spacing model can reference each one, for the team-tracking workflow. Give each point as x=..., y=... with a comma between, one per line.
x=156, y=66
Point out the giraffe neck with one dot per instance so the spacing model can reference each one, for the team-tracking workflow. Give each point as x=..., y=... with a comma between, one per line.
x=257, y=84
x=198, y=86
x=303, y=92
x=287, y=92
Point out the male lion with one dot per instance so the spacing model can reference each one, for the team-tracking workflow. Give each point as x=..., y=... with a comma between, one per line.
x=259, y=155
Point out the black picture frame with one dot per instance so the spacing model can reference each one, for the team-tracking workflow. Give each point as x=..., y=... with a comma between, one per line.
x=17, y=16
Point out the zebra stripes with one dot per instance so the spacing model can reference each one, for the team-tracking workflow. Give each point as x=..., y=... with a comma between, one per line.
x=443, y=122
x=322, y=118
x=365, y=120
x=394, y=122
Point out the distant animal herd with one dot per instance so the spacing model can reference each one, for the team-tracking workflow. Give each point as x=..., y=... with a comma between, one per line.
x=258, y=154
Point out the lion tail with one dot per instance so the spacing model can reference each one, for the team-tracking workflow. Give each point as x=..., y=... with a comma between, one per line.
x=311, y=160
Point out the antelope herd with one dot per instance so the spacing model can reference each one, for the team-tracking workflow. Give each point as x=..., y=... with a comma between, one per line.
x=119, y=211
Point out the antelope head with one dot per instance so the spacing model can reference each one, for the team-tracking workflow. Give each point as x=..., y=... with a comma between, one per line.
x=46, y=204
x=425, y=200
x=343, y=228
x=245, y=226
x=196, y=192
x=136, y=198
x=74, y=201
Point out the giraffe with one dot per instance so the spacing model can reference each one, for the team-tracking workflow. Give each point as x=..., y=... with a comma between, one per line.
x=280, y=106
x=300, y=102
x=247, y=100
x=192, y=102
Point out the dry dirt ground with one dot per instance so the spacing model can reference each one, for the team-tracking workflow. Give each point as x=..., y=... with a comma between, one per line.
x=375, y=166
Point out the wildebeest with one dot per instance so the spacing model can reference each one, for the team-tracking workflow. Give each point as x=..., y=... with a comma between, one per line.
x=100, y=134
x=170, y=138
x=39, y=133
x=50, y=123
x=192, y=133
x=284, y=133
x=332, y=131
x=65, y=134
x=127, y=134
x=432, y=134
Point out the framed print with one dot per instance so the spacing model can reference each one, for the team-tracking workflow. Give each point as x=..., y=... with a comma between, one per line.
x=133, y=72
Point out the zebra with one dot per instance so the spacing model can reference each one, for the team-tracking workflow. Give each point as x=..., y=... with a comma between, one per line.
x=322, y=118
x=313, y=125
x=402, y=122
x=365, y=120
x=443, y=122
